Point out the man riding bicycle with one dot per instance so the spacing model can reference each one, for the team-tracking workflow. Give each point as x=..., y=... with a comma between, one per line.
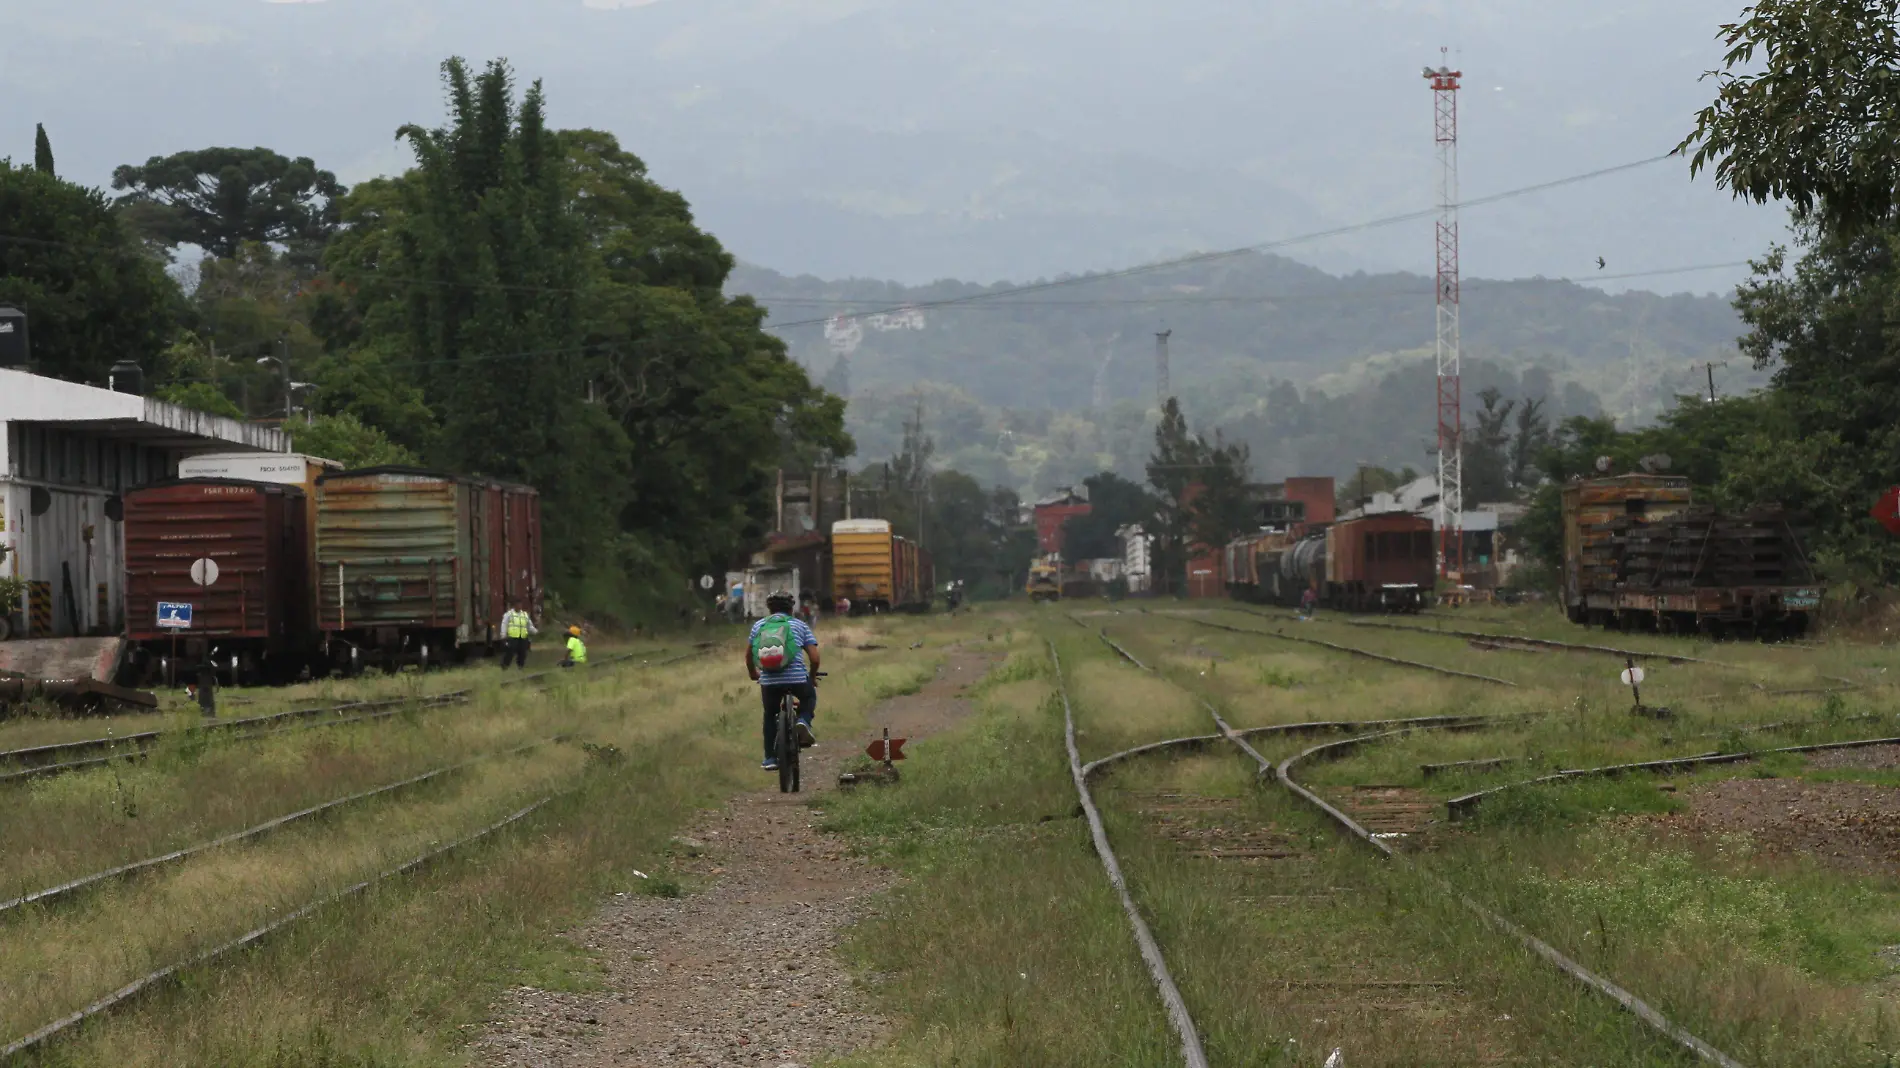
x=780, y=654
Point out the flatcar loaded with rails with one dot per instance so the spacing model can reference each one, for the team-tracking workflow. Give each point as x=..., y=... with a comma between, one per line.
x=237, y=552
x=1639, y=553
x=417, y=567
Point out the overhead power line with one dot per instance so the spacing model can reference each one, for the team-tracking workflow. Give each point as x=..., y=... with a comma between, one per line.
x=368, y=277
x=1265, y=246
x=1289, y=296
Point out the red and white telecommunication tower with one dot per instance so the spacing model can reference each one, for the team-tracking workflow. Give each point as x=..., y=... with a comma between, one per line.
x=1451, y=465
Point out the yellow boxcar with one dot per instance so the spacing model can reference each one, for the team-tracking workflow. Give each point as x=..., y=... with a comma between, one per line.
x=861, y=567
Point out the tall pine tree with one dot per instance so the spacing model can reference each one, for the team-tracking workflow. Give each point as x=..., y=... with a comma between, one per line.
x=42, y=150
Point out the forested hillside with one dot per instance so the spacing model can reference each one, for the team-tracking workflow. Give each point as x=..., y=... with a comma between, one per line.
x=1315, y=372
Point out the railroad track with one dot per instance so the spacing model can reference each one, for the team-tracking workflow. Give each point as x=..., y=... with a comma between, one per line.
x=40, y=1037
x=127, y=993
x=73, y=886
x=1504, y=640
x=1338, y=648
x=1284, y=773
x=59, y=758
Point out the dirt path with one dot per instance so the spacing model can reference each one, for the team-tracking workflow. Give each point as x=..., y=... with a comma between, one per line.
x=742, y=972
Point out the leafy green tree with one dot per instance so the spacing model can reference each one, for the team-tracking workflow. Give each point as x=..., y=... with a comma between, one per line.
x=1174, y=468
x=527, y=303
x=42, y=151
x=496, y=330
x=1487, y=448
x=1807, y=110
x=1222, y=508
x=347, y=440
x=202, y=396
x=709, y=401
x=373, y=384
x=219, y=198
x=1114, y=502
x=92, y=294
x=1531, y=435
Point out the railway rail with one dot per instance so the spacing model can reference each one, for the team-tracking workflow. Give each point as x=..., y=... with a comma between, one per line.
x=62, y=757
x=132, y=990
x=125, y=994
x=1506, y=639
x=1353, y=650
x=1283, y=773
x=72, y=886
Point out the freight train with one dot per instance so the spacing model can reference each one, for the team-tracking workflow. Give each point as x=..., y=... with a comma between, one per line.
x=1639, y=553
x=392, y=566
x=878, y=571
x=1384, y=562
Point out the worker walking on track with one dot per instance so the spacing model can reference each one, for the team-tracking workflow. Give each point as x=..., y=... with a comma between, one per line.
x=516, y=628
x=576, y=649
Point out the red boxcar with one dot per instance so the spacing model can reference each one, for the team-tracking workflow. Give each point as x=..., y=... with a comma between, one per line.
x=1385, y=561
x=255, y=618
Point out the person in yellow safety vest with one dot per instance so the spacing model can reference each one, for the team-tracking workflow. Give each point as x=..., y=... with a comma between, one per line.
x=516, y=627
x=576, y=649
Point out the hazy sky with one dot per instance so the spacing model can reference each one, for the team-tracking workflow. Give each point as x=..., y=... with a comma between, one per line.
x=980, y=139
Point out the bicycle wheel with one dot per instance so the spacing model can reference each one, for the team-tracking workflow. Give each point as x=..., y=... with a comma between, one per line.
x=787, y=745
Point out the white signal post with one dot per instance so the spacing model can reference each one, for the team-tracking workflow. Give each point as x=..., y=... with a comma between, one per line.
x=1451, y=465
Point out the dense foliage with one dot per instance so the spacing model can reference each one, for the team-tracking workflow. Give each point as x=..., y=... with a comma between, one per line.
x=523, y=303
x=93, y=293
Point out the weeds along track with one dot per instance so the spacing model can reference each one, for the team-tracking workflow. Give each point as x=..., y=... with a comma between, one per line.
x=1373, y=732
x=59, y=758
x=1460, y=807
x=1338, y=648
x=1191, y=1052
x=72, y=886
x=127, y=993
x=1505, y=639
x=52, y=896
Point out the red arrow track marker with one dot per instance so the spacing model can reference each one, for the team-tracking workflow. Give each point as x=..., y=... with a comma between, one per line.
x=876, y=749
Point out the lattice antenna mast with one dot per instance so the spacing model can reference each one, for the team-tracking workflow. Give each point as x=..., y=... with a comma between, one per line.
x=1451, y=464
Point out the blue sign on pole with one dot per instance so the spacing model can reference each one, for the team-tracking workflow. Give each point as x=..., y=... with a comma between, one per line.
x=175, y=614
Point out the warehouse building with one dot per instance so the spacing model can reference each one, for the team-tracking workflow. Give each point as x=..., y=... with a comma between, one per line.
x=67, y=451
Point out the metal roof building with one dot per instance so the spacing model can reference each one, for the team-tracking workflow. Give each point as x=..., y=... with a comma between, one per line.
x=66, y=453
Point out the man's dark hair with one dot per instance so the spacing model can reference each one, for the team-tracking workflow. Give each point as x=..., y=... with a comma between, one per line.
x=779, y=602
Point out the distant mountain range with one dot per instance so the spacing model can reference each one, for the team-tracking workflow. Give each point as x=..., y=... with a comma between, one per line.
x=1253, y=317
x=1315, y=371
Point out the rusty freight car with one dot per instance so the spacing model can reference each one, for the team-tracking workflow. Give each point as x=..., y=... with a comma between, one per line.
x=1639, y=553
x=416, y=567
x=238, y=554
x=879, y=571
x=1381, y=562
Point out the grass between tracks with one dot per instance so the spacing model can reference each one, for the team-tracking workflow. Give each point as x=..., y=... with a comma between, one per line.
x=405, y=974
x=1006, y=946
x=1770, y=954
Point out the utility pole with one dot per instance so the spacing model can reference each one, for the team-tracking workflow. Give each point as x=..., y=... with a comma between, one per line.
x=1161, y=367
x=1710, y=366
x=1451, y=466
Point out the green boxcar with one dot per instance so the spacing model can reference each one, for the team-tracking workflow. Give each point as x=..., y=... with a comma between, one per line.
x=416, y=567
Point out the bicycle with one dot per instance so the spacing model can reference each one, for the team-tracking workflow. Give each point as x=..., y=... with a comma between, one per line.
x=785, y=740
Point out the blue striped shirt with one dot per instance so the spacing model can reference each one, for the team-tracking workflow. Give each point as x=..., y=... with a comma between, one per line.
x=795, y=672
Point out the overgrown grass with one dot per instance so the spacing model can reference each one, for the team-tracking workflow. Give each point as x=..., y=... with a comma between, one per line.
x=1006, y=946
x=404, y=974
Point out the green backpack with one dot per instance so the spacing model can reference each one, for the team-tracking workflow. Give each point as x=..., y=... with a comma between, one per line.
x=772, y=646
